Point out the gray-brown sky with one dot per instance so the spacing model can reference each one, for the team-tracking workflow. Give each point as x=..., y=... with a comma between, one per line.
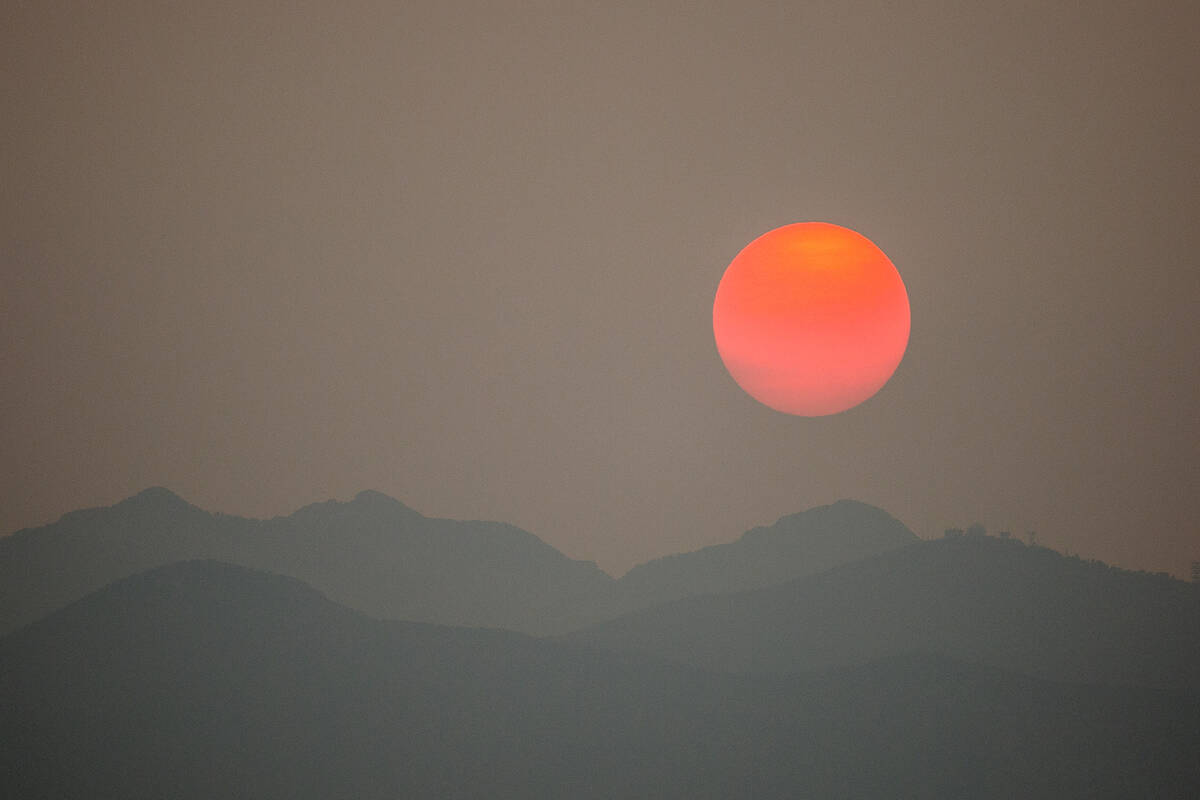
x=465, y=254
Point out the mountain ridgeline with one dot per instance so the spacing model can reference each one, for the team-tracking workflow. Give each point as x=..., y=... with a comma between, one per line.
x=797, y=545
x=373, y=554
x=979, y=599
x=380, y=557
x=155, y=649
x=202, y=679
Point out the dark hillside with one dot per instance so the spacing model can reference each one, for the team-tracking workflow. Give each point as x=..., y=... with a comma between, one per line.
x=204, y=680
x=372, y=553
x=380, y=557
x=978, y=599
x=797, y=545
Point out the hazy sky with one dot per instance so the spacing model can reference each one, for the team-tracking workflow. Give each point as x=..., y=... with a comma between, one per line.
x=465, y=254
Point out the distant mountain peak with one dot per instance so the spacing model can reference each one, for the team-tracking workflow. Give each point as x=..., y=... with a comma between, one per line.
x=847, y=502
x=843, y=506
x=210, y=577
x=378, y=504
x=158, y=495
x=834, y=519
x=795, y=545
x=156, y=500
x=369, y=501
x=374, y=497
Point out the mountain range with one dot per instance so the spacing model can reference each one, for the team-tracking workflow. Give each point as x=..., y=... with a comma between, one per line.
x=203, y=679
x=361, y=649
x=381, y=557
x=980, y=599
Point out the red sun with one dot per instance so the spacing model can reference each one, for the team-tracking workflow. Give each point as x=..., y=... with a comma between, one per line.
x=811, y=319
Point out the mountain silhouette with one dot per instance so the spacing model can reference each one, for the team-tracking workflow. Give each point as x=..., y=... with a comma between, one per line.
x=373, y=553
x=202, y=679
x=381, y=557
x=979, y=599
x=799, y=544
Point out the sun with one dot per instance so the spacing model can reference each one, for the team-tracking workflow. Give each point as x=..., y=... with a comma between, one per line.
x=811, y=319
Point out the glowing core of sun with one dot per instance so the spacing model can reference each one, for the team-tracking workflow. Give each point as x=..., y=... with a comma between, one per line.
x=811, y=319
